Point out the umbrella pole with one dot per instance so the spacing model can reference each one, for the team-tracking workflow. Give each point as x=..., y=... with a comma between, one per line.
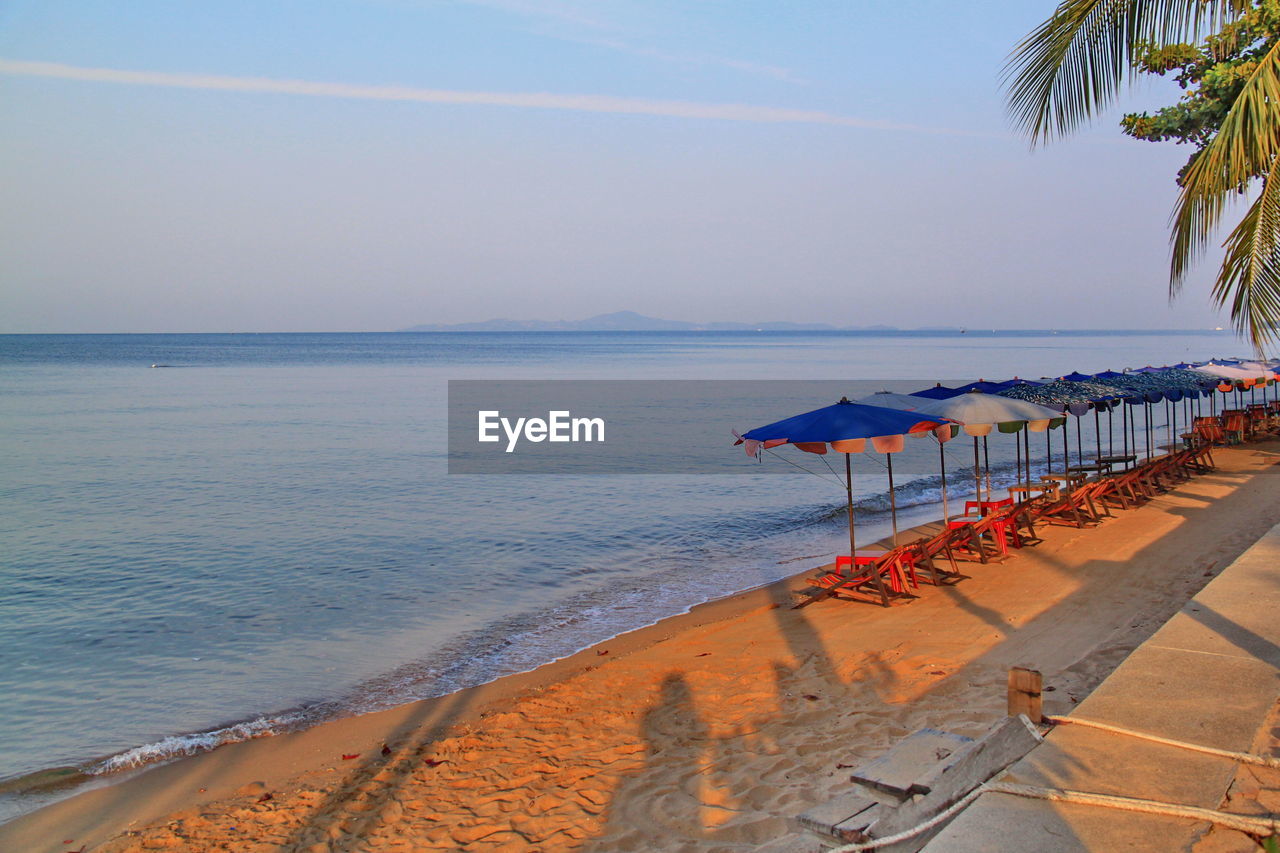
x=977, y=472
x=1111, y=430
x=853, y=543
x=1017, y=449
x=1133, y=432
x=986, y=460
x=1026, y=452
x=1124, y=428
x=1097, y=430
x=1147, y=415
x=942, y=465
x=1048, y=450
x=1066, y=446
x=893, y=499
x=1079, y=442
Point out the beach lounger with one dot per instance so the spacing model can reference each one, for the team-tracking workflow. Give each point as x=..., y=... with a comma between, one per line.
x=1076, y=508
x=1125, y=490
x=860, y=580
x=923, y=555
x=976, y=531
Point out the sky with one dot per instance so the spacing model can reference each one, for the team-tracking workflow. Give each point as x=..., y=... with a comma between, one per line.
x=367, y=165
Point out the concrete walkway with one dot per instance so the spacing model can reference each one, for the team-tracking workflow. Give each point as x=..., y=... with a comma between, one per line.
x=1210, y=676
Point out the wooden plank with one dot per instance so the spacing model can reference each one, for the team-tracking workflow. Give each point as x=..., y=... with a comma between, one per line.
x=1024, y=693
x=855, y=828
x=824, y=819
x=898, y=771
x=794, y=843
x=1005, y=743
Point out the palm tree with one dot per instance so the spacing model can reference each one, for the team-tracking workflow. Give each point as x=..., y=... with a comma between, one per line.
x=1073, y=66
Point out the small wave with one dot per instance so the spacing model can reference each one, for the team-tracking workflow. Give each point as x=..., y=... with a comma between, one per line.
x=924, y=491
x=179, y=746
x=522, y=642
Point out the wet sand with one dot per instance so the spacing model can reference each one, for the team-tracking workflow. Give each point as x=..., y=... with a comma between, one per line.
x=705, y=731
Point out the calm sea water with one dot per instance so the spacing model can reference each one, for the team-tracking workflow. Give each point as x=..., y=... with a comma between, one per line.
x=263, y=535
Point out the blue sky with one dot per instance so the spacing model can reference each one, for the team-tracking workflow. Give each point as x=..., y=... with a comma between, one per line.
x=326, y=165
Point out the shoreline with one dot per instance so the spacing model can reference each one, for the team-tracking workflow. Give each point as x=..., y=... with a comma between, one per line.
x=795, y=655
x=474, y=700
x=82, y=776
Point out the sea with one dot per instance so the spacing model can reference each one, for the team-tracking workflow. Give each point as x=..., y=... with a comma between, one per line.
x=264, y=535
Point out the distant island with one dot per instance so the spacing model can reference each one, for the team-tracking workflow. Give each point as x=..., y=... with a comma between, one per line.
x=630, y=321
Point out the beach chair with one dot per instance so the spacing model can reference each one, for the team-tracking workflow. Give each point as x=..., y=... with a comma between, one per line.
x=860, y=580
x=1076, y=508
x=1021, y=522
x=1233, y=424
x=1208, y=431
x=1154, y=475
x=966, y=542
x=1124, y=490
x=923, y=555
x=1202, y=458
x=981, y=529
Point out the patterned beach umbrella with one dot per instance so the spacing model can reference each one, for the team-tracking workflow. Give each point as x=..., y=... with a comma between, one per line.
x=1063, y=395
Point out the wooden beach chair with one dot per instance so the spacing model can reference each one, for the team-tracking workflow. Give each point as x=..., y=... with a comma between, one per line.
x=1076, y=508
x=980, y=530
x=860, y=580
x=1233, y=424
x=1125, y=490
x=923, y=555
x=1021, y=522
x=1208, y=430
x=1202, y=458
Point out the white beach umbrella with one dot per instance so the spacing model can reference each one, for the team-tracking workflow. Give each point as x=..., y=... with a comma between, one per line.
x=905, y=402
x=1232, y=371
x=980, y=413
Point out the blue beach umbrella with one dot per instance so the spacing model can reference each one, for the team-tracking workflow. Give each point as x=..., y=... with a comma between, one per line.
x=937, y=392
x=845, y=428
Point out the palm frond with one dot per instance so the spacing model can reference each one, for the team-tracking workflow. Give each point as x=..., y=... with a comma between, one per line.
x=1249, y=281
x=1245, y=147
x=1074, y=64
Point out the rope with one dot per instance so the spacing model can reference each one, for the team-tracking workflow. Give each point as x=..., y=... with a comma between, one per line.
x=1243, y=757
x=820, y=476
x=1258, y=826
x=833, y=471
x=940, y=817
x=1262, y=826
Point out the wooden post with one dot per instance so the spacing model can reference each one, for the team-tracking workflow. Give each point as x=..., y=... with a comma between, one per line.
x=1024, y=693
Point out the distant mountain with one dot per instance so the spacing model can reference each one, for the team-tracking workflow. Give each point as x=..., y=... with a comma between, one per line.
x=627, y=321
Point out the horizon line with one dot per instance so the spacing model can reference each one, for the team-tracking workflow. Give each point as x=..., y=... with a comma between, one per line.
x=864, y=329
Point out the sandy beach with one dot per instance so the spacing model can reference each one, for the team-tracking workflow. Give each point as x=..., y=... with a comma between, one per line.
x=705, y=731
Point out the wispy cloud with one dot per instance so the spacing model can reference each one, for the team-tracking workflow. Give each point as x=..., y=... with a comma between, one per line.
x=524, y=100
x=602, y=25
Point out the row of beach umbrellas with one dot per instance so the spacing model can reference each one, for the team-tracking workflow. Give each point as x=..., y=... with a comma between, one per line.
x=883, y=420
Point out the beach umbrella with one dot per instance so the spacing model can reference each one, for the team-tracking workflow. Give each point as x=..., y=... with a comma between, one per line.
x=937, y=392
x=909, y=403
x=986, y=387
x=1064, y=395
x=979, y=413
x=845, y=428
x=906, y=403
x=1236, y=375
x=902, y=402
